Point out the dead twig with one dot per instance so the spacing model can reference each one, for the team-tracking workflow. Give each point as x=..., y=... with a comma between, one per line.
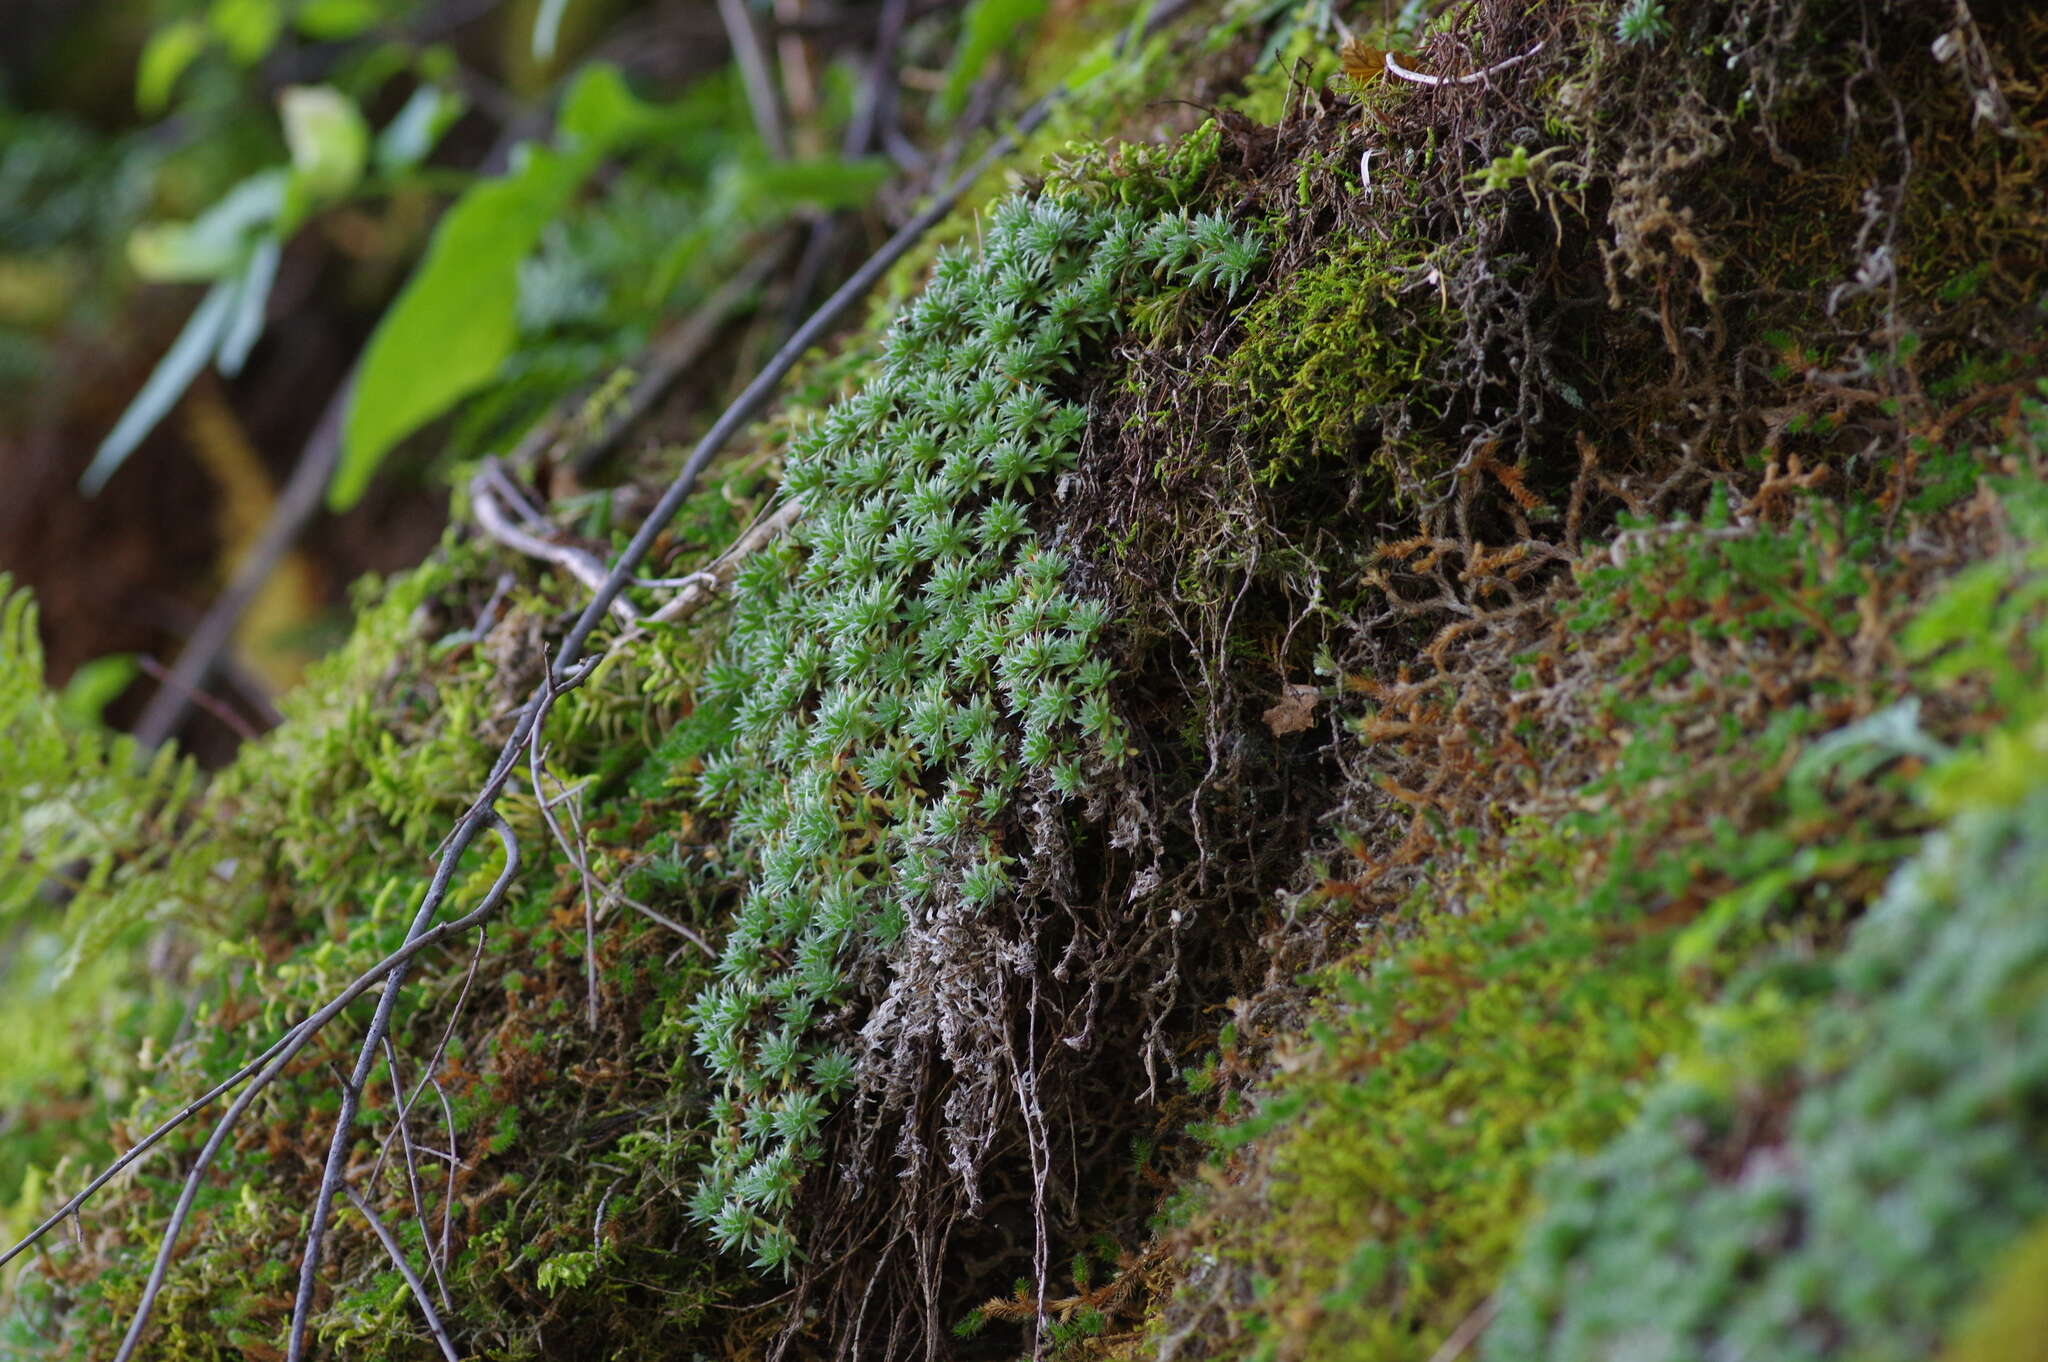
x=218, y=708
x=454, y=1166
x=1468, y=1331
x=412, y=1279
x=412, y=1173
x=702, y=585
x=693, y=937
x=485, y=489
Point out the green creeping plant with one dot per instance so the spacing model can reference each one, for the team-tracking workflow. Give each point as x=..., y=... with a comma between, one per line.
x=907, y=661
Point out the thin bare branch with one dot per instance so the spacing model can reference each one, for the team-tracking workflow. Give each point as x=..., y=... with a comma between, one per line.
x=412, y=1171
x=412, y=1279
x=700, y=587
x=218, y=708
x=1468, y=1331
x=693, y=937
x=454, y=1167
x=296, y=1040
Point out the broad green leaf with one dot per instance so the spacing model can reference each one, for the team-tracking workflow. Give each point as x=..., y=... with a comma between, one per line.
x=217, y=242
x=167, y=383
x=457, y=318
x=412, y=132
x=328, y=139
x=252, y=291
x=169, y=51
x=988, y=27
x=247, y=28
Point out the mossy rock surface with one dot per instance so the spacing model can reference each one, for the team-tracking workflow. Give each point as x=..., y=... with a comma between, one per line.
x=1317, y=777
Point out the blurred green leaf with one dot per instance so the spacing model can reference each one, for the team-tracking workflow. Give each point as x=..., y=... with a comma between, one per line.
x=988, y=27
x=414, y=130
x=247, y=28
x=600, y=112
x=214, y=244
x=457, y=318
x=330, y=20
x=174, y=373
x=329, y=141
x=775, y=186
x=169, y=51
x=95, y=685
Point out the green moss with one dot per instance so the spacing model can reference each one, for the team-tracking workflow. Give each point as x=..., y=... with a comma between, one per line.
x=1829, y=1179
x=908, y=668
x=1514, y=1011
x=94, y=862
x=309, y=845
x=1336, y=349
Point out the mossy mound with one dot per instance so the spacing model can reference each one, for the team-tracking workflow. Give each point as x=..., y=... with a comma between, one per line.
x=1428, y=606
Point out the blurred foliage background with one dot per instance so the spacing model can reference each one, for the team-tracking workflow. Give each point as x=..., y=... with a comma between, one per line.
x=368, y=241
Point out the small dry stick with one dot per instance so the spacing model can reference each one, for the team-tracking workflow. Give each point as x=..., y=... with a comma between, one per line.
x=751, y=56
x=412, y=1172
x=412, y=1279
x=694, y=938
x=454, y=1166
x=219, y=709
x=1468, y=1331
x=700, y=587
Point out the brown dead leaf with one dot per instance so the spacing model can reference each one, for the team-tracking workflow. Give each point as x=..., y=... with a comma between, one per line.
x=1362, y=62
x=1296, y=710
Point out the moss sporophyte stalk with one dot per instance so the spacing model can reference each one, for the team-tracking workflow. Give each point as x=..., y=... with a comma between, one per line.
x=907, y=665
